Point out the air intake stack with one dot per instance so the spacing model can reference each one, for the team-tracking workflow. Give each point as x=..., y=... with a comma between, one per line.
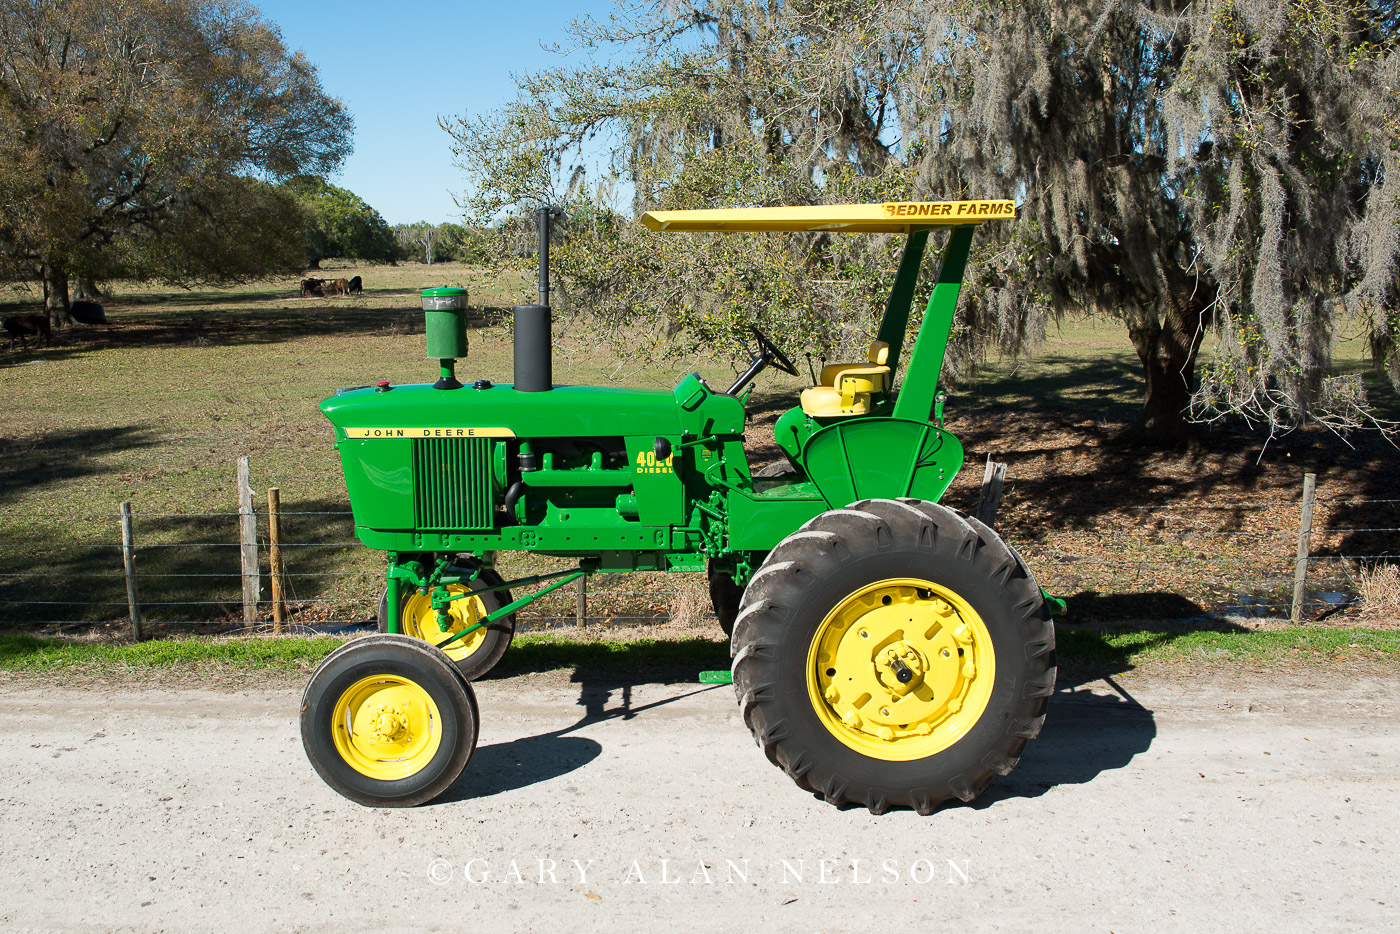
x=445, y=326
x=533, y=365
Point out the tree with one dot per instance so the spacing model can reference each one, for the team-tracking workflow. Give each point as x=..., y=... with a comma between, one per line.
x=340, y=223
x=1181, y=166
x=423, y=242
x=126, y=126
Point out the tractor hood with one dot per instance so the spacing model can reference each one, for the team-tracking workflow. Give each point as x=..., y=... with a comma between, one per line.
x=420, y=411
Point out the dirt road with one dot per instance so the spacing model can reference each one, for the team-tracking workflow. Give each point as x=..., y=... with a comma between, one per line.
x=1223, y=802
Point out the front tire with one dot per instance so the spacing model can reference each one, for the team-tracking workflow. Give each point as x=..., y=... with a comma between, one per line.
x=894, y=653
x=387, y=721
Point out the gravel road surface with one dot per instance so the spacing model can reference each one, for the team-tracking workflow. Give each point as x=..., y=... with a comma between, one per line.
x=1218, y=802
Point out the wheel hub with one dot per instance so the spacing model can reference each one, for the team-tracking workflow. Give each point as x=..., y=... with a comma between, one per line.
x=897, y=669
x=390, y=724
x=421, y=621
x=900, y=668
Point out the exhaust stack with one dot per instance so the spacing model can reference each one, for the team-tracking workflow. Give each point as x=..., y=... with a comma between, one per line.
x=534, y=371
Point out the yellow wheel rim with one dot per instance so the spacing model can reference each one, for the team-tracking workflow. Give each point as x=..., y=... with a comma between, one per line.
x=386, y=727
x=901, y=669
x=420, y=621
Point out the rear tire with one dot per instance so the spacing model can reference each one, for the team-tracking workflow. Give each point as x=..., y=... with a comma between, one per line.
x=726, y=598
x=388, y=721
x=892, y=654
x=475, y=653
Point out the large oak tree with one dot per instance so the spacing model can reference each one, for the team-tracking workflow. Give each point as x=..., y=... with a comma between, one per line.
x=141, y=137
x=1182, y=166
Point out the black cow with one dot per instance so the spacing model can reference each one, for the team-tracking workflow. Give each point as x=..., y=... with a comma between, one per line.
x=356, y=285
x=25, y=326
x=85, y=312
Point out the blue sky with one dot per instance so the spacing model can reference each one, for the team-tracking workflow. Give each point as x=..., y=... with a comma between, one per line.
x=398, y=66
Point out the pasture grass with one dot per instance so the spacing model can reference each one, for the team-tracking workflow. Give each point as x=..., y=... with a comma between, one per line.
x=156, y=407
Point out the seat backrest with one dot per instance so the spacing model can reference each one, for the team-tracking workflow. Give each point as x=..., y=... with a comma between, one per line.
x=879, y=353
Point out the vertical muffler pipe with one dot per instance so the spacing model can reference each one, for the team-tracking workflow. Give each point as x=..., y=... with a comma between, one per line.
x=534, y=371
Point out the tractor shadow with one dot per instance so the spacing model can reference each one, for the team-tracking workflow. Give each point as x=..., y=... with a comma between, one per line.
x=1086, y=733
x=529, y=760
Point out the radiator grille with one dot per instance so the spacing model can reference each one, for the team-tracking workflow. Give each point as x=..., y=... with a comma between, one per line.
x=452, y=483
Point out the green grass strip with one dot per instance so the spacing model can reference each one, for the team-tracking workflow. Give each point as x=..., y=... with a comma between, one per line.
x=1138, y=646
x=676, y=658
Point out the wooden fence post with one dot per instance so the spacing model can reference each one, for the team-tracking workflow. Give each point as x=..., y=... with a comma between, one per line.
x=129, y=560
x=1300, y=564
x=581, y=601
x=987, y=503
x=248, y=544
x=274, y=560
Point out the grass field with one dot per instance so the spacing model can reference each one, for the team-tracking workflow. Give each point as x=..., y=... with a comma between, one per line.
x=157, y=407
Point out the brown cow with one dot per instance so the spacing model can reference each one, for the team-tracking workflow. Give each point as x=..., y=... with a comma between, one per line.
x=311, y=287
x=336, y=286
x=27, y=326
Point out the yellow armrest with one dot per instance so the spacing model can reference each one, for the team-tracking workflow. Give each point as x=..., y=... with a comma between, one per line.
x=873, y=376
x=832, y=374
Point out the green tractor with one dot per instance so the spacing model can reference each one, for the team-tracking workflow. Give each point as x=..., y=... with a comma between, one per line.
x=887, y=651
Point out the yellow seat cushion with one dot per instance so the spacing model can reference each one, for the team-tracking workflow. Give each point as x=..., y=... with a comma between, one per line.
x=826, y=402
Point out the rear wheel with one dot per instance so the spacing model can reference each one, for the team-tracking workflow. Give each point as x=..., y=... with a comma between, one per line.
x=725, y=596
x=893, y=654
x=477, y=652
x=388, y=721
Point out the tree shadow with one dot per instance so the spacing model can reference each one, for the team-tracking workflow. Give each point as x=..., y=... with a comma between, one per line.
x=65, y=455
x=1092, y=605
x=1107, y=387
x=299, y=319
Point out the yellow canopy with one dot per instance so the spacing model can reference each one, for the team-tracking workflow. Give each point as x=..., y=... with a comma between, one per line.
x=894, y=217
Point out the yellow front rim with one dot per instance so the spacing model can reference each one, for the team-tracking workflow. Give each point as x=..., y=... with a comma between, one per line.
x=386, y=727
x=901, y=669
x=420, y=621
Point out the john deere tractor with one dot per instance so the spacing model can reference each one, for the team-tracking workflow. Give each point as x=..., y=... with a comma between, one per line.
x=887, y=651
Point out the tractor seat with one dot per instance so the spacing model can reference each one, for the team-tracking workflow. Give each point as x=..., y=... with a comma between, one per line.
x=845, y=388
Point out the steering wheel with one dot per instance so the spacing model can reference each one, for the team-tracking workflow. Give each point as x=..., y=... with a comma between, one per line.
x=770, y=353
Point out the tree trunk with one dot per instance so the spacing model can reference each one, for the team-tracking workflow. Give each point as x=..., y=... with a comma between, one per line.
x=1168, y=351
x=88, y=290
x=56, y=295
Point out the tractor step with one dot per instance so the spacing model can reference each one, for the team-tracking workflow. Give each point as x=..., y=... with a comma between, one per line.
x=717, y=677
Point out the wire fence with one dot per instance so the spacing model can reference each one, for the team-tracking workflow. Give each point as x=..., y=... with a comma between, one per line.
x=1165, y=560
x=66, y=570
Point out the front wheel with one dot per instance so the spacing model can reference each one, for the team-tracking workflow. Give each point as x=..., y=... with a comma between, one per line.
x=894, y=653
x=388, y=721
